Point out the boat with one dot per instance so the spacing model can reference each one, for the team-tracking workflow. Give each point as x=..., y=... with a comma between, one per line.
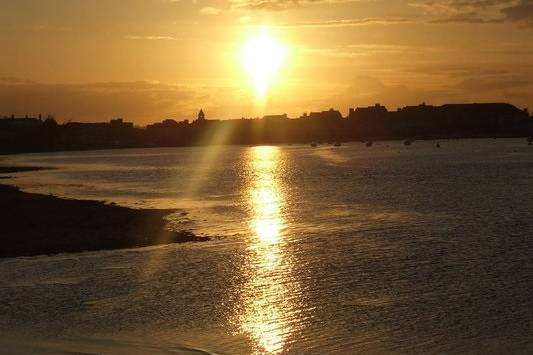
x=337, y=144
x=313, y=145
x=369, y=143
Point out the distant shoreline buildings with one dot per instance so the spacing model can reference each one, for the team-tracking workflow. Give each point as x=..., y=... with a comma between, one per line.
x=38, y=134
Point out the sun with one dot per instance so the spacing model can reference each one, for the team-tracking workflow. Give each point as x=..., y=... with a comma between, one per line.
x=262, y=56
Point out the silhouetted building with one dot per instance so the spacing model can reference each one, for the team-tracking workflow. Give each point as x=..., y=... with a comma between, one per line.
x=376, y=111
x=330, y=114
x=276, y=117
x=201, y=116
x=372, y=123
x=22, y=122
x=119, y=123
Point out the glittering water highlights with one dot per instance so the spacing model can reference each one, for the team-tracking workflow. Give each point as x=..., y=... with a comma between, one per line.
x=388, y=249
x=267, y=302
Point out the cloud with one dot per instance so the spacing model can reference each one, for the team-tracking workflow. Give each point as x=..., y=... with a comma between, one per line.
x=141, y=101
x=498, y=84
x=467, y=18
x=454, y=7
x=332, y=52
x=14, y=80
x=348, y=22
x=208, y=10
x=429, y=12
x=521, y=12
x=269, y=5
x=43, y=28
x=150, y=38
x=367, y=90
x=511, y=88
x=380, y=48
x=148, y=101
x=359, y=50
x=476, y=11
x=278, y=5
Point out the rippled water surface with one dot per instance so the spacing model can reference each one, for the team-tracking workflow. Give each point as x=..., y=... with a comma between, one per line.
x=389, y=249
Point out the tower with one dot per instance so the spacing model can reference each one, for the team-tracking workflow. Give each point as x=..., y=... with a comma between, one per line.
x=201, y=116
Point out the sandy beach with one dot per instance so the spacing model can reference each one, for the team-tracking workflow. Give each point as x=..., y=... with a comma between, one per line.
x=34, y=224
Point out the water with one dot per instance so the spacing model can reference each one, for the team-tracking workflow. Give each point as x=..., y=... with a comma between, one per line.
x=389, y=249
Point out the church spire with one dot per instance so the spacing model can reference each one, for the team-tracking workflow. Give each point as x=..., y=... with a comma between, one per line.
x=201, y=116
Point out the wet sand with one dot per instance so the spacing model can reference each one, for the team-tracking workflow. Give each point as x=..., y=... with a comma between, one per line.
x=34, y=224
x=16, y=169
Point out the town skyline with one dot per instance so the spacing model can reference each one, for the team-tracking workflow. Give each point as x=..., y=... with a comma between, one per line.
x=194, y=116
x=486, y=120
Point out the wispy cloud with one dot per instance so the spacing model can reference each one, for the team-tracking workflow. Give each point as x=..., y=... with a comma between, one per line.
x=522, y=12
x=140, y=100
x=357, y=50
x=429, y=12
x=476, y=11
x=150, y=38
x=332, y=52
x=278, y=5
x=349, y=22
x=208, y=10
x=11, y=80
x=370, y=49
x=380, y=48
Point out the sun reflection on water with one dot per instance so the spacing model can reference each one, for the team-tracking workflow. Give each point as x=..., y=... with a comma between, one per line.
x=267, y=301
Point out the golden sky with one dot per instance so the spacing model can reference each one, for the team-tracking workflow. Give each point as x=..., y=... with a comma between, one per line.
x=145, y=60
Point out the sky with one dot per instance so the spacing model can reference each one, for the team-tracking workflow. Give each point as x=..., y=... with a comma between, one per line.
x=147, y=60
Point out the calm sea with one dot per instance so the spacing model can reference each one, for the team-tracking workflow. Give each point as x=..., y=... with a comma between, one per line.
x=388, y=249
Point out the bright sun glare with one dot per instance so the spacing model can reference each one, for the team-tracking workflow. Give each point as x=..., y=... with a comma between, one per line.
x=262, y=56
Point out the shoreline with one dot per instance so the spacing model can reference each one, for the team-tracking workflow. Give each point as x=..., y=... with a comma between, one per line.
x=301, y=143
x=36, y=224
x=20, y=169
